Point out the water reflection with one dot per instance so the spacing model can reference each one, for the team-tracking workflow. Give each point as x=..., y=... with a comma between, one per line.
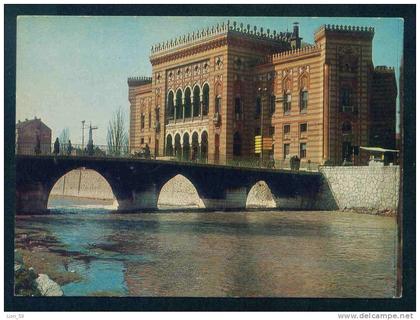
x=270, y=253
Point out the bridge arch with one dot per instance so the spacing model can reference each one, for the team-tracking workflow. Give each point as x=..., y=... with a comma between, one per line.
x=260, y=196
x=179, y=192
x=88, y=185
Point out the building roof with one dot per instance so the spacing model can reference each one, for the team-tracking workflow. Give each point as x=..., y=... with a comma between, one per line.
x=22, y=124
x=221, y=29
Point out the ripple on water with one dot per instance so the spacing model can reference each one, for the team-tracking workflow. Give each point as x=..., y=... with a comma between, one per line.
x=267, y=253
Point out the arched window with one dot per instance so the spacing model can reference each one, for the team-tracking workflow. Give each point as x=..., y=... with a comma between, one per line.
x=142, y=121
x=257, y=107
x=303, y=100
x=206, y=99
x=157, y=111
x=218, y=104
x=238, y=108
x=150, y=119
x=169, y=146
x=186, y=146
x=287, y=102
x=272, y=104
x=178, y=148
x=216, y=147
x=187, y=105
x=346, y=127
x=237, y=144
x=346, y=99
x=194, y=146
x=204, y=146
x=196, y=101
x=170, y=105
x=178, y=104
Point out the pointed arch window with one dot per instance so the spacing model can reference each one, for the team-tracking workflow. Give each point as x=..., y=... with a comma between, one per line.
x=170, y=105
x=287, y=102
x=196, y=101
x=238, y=108
x=178, y=105
x=272, y=104
x=206, y=90
x=187, y=105
x=303, y=100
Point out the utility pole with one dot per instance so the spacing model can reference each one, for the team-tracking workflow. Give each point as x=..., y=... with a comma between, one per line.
x=83, y=133
x=89, y=145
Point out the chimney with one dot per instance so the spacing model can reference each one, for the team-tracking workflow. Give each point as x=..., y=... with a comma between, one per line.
x=296, y=29
x=295, y=41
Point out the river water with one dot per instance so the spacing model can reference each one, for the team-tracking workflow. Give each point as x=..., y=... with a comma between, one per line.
x=223, y=254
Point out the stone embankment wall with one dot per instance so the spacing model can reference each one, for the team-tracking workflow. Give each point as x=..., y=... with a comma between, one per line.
x=370, y=187
x=83, y=183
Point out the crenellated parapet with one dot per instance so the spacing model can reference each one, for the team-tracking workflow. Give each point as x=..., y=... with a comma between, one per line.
x=360, y=31
x=138, y=81
x=296, y=53
x=348, y=28
x=218, y=30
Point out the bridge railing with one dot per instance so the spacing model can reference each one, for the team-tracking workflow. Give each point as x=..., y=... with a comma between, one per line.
x=73, y=150
x=77, y=150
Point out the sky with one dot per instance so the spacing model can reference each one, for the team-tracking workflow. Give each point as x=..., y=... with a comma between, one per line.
x=71, y=68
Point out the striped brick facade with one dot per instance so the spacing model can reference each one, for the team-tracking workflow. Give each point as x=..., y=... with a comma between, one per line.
x=205, y=89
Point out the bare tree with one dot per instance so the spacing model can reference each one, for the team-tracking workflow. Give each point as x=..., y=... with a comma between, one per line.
x=64, y=136
x=117, y=136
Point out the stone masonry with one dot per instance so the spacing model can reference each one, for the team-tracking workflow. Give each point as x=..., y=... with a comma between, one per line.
x=370, y=187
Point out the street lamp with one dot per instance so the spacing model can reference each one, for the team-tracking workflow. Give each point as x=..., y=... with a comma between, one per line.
x=83, y=133
x=261, y=91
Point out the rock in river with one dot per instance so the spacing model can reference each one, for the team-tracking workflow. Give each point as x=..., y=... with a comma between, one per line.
x=48, y=287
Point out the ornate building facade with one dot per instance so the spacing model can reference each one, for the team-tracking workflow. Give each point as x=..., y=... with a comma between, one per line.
x=212, y=92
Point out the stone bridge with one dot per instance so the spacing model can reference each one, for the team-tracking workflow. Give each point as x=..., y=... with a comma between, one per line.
x=136, y=183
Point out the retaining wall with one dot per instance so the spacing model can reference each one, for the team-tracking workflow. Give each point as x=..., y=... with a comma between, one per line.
x=370, y=187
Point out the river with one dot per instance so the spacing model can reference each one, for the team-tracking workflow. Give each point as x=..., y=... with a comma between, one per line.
x=214, y=254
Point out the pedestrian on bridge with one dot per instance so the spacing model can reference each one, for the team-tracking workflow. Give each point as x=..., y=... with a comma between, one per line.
x=56, y=147
x=69, y=148
x=147, y=152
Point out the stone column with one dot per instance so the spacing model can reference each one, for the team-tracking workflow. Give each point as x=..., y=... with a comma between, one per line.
x=234, y=199
x=183, y=108
x=32, y=198
x=192, y=107
x=140, y=200
x=201, y=106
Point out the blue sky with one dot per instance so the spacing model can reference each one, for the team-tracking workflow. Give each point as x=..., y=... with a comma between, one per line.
x=71, y=68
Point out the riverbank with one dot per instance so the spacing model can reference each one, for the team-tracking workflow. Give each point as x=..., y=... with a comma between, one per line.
x=38, y=254
x=375, y=212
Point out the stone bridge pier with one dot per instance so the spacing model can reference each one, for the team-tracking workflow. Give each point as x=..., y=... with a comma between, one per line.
x=137, y=183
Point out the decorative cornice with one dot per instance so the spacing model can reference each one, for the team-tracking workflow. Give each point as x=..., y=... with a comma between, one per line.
x=218, y=30
x=138, y=81
x=384, y=69
x=219, y=42
x=295, y=53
